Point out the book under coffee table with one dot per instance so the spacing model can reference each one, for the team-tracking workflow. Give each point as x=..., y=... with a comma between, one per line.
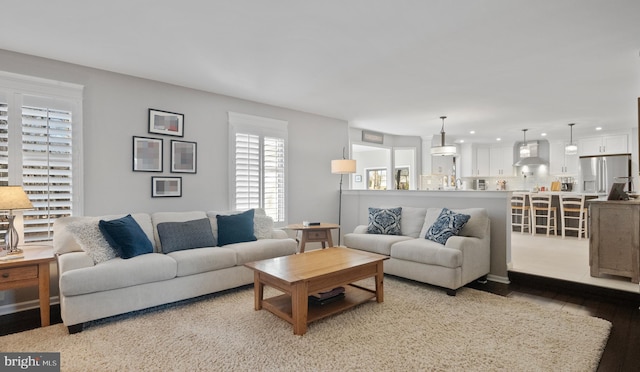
x=300, y=275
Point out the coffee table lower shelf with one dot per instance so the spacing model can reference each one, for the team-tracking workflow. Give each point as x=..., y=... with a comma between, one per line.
x=353, y=296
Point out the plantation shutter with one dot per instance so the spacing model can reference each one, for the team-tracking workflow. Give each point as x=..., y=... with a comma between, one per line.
x=258, y=177
x=247, y=171
x=46, y=168
x=274, y=178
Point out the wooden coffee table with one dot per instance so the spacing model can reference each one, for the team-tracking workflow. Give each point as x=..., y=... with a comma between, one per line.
x=300, y=275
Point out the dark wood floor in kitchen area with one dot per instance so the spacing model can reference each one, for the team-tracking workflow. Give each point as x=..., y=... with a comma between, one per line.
x=622, y=352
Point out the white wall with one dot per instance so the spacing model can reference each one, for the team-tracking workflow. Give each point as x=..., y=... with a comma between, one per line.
x=115, y=110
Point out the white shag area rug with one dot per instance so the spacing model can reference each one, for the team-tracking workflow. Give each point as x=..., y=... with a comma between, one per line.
x=417, y=328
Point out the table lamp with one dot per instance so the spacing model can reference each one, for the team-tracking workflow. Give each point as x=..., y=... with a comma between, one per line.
x=13, y=198
x=342, y=166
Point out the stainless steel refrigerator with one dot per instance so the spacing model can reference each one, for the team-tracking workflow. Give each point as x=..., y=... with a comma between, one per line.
x=598, y=173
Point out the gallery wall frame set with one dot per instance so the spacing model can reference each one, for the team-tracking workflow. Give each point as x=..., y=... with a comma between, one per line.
x=165, y=122
x=162, y=187
x=183, y=156
x=147, y=154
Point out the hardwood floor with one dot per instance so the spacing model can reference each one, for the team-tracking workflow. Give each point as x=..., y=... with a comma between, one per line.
x=619, y=307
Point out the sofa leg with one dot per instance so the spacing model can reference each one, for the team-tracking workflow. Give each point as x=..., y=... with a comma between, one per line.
x=76, y=328
x=451, y=292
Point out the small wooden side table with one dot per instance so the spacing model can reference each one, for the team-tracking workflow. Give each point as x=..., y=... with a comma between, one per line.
x=31, y=270
x=314, y=234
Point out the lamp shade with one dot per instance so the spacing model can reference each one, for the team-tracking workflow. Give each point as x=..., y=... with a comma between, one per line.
x=447, y=150
x=343, y=166
x=14, y=197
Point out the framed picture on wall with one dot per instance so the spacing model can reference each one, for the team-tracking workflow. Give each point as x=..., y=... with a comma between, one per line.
x=183, y=157
x=166, y=187
x=165, y=122
x=147, y=154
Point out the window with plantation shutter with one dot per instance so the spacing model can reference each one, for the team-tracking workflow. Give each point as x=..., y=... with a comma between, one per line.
x=258, y=150
x=40, y=137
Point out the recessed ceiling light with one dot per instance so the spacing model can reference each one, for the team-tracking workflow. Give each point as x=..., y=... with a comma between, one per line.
x=598, y=128
x=472, y=132
x=461, y=141
x=543, y=134
x=498, y=139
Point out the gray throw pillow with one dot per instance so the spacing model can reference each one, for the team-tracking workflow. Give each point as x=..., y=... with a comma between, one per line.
x=384, y=221
x=176, y=236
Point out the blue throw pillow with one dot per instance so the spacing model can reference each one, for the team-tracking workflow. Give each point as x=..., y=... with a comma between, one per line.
x=384, y=221
x=177, y=236
x=236, y=228
x=448, y=224
x=126, y=237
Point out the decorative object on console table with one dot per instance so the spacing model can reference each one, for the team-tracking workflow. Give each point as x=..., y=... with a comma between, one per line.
x=183, y=157
x=166, y=187
x=147, y=154
x=13, y=198
x=342, y=166
x=165, y=122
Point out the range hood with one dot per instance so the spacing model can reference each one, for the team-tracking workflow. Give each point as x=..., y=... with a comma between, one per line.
x=536, y=153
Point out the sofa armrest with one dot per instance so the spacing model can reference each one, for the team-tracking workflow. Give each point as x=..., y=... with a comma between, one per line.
x=279, y=234
x=476, y=255
x=73, y=260
x=360, y=229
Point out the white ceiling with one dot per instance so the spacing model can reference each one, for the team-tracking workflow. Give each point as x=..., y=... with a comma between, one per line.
x=396, y=66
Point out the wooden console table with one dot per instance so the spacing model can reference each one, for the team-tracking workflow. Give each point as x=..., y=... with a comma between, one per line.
x=31, y=270
x=314, y=234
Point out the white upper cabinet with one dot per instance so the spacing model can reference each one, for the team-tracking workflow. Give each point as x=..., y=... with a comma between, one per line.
x=559, y=163
x=501, y=161
x=474, y=161
x=605, y=145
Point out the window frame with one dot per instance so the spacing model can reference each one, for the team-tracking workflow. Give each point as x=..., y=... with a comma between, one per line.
x=19, y=91
x=262, y=127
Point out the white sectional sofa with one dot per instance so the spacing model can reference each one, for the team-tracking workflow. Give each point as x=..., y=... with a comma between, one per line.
x=91, y=290
x=461, y=260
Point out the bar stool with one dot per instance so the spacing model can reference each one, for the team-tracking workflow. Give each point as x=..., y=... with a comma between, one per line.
x=541, y=210
x=520, y=214
x=573, y=209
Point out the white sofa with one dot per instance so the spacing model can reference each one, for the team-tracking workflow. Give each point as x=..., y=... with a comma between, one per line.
x=90, y=291
x=463, y=259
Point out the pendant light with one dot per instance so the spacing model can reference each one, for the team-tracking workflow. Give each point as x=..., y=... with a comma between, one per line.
x=525, y=152
x=443, y=149
x=571, y=148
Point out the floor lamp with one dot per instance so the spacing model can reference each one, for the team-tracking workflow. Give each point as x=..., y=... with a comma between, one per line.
x=342, y=166
x=13, y=198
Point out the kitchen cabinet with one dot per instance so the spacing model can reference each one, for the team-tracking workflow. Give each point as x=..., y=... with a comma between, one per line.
x=501, y=161
x=474, y=161
x=560, y=163
x=604, y=145
x=615, y=238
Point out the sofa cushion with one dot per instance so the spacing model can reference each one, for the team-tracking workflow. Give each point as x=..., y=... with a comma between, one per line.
x=448, y=224
x=262, y=249
x=200, y=260
x=375, y=243
x=412, y=220
x=91, y=240
x=118, y=273
x=236, y=228
x=176, y=236
x=476, y=226
x=427, y=252
x=126, y=237
x=384, y=221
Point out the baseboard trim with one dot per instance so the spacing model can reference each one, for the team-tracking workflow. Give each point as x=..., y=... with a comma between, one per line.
x=498, y=279
x=26, y=305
